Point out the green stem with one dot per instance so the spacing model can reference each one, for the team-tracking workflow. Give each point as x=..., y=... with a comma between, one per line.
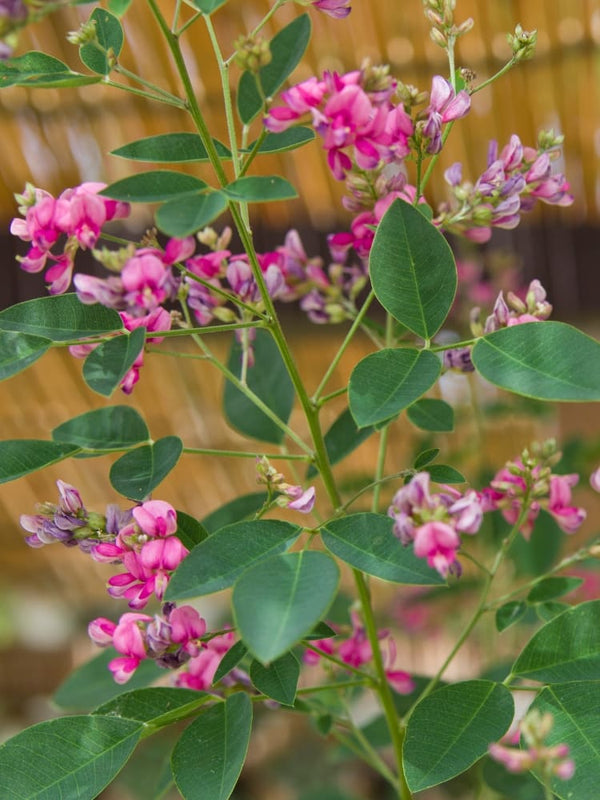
x=274, y=8
x=163, y=94
x=380, y=468
x=366, y=755
x=332, y=395
x=433, y=162
x=328, y=687
x=207, y=451
x=221, y=292
x=481, y=606
x=347, y=339
x=509, y=65
x=383, y=689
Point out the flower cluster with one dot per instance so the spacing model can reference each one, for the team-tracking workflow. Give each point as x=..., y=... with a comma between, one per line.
x=355, y=650
x=170, y=639
x=433, y=522
x=550, y=760
x=513, y=181
x=290, y=496
x=508, y=311
x=528, y=482
x=77, y=214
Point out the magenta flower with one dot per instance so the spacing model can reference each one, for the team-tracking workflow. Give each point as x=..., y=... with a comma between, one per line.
x=302, y=501
x=338, y=9
x=156, y=518
x=200, y=670
x=438, y=542
x=445, y=105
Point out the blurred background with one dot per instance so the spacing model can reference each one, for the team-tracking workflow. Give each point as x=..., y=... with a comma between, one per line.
x=59, y=139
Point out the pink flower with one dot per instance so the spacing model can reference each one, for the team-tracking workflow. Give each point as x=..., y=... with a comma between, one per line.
x=156, y=518
x=595, y=480
x=302, y=501
x=438, y=543
x=200, y=670
x=101, y=631
x=568, y=516
x=338, y=9
x=445, y=105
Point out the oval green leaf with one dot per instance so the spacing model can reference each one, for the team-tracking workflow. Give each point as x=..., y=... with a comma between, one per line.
x=230, y=660
x=153, y=187
x=544, y=360
x=575, y=709
x=208, y=6
x=107, y=364
x=234, y=511
x=278, y=680
x=425, y=457
x=19, y=351
x=69, y=757
x=157, y=705
x=217, y=562
x=169, y=148
x=509, y=613
x=110, y=428
x=452, y=728
x=189, y=531
x=412, y=270
x=187, y=214
x=566, y=649
x=60, y=318
x=366, y=542
x=431, y=414
x=551, y=588
x=92, y=683
x=280, y=600
x=443, y=473
x=386, y=382
x=42, y=71
x=138, y=472
x=208, y=758
x=294, y=137
x=21, y=456
x=342, y=438
x=270, y=382
x=260, y=189
x=287, y=48
x=100, y=56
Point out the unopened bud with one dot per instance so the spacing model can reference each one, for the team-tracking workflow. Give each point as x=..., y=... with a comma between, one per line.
x=224, y=314
x=547, y=140
x=85, y=35
x=252, y=53
x=465, y=26
x=438, y=37
x=522, y=43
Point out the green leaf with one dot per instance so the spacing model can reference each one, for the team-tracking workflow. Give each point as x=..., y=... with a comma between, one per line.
x=187, y=214
x=189, y=531
x=60, y=318
x=18, y=351
x=110, y=428
x=169, y=148
x=100, y=56
x=153, y=187
x=278, y=680
x=342, y=438
x=452, y=728
x=118, y=7
x=158, y=706
x=234, y=511
x=575, y=709
x=217, y=562
x=208, y=6
x=138, y=472
x=41, y=71
x=294, y=137
x=260, y=189
x=366, y=542
x=269, y=380
x=107, y=364
x=538, y=554
x=547, y=360
x=509, y=613
x=551, y=588
x=385, y=382
x=20, y=456
x=93, y=683
x=230, y=660
x=426, y=457
x=278, y=602
x=208, y=758
x=287, y=48
x=72, y=757
x=412, y=270
x=430, y=414
x=442, y=473
x=566, y=649
x=549, y=610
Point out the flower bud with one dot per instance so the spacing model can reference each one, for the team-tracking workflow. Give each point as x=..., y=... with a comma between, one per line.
x=252, y=53
x=522, y=43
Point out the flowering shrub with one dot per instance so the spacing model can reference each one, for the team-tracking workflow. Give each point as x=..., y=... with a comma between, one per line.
x=186, y=278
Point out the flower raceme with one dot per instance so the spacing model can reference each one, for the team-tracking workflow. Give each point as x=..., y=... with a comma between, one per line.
x=433, y=522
